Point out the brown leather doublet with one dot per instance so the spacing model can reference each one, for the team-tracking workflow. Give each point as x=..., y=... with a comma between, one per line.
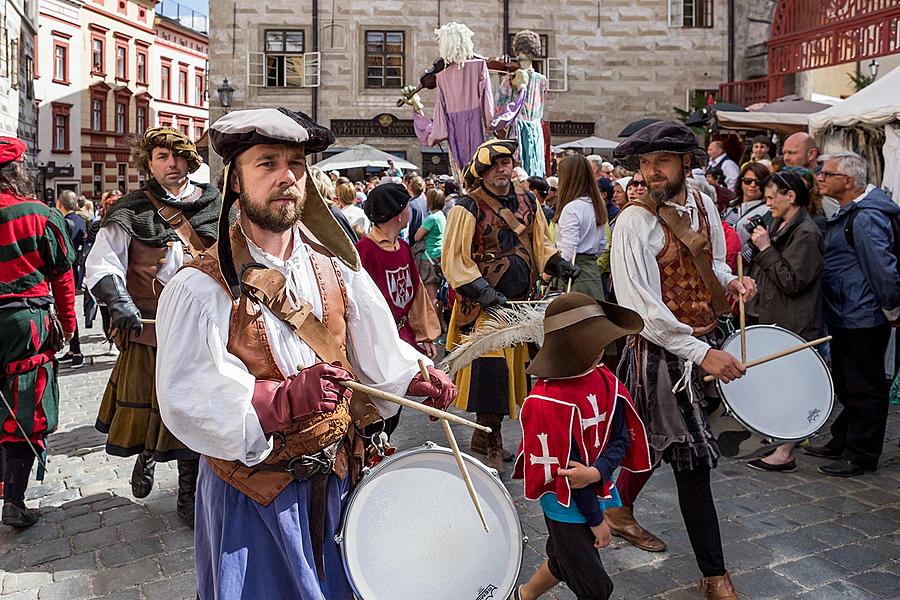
x=248, y=341
x=683, y=290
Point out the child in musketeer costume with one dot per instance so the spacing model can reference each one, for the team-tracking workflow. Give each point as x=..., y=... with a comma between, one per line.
x=578, y=426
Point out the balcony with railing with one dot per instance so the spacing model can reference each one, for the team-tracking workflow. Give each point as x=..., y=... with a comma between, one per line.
x=187, y=17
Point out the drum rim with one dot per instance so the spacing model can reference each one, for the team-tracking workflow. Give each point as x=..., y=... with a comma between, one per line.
x=426, y=448
x=754, y=430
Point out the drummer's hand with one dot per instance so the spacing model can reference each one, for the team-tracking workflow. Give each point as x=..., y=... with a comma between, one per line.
x=602, y=535
x=579, y=475
x=439, y=391
x=722, y=365
x=760, y=238
x=747, y=289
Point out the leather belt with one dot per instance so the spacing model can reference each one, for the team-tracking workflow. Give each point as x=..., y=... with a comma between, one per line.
x=304, y=466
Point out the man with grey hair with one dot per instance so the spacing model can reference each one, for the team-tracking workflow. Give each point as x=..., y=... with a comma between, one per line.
x=719, y=158
x=861, y=288
x=596, y=162
x=76, y=227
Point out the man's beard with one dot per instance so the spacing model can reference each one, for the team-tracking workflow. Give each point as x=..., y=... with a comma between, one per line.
x=668, y=191
x=272, y=217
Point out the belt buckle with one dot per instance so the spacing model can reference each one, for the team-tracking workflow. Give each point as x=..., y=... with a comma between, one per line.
x=304, y=467
x=163, y=217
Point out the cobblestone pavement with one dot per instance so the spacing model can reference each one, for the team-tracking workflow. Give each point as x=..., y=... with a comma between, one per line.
x=797, y=535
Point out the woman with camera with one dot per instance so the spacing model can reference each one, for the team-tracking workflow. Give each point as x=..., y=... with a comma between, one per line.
x=788, y=270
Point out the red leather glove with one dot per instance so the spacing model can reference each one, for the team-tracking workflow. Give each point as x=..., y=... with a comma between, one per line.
x=311, y=391
x=440, y=391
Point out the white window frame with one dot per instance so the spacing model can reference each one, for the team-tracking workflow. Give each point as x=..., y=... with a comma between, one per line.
x=676, y=14
x=309, y=76
x=557, y=74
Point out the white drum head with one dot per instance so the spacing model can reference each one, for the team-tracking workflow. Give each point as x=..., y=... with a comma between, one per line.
x=787, y=399
x=411, y=531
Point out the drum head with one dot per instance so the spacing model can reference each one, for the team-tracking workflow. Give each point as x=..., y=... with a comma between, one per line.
x=787, y=399
x=411, y=531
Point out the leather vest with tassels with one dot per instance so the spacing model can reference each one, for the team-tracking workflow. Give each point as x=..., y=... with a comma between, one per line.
x=492, y=260
x=683, y=290
x=247, y=340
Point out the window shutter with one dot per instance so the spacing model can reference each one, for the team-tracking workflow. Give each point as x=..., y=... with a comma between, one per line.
x=312, y=68
x=558, y=74
x=256, y=69
x=676, y=13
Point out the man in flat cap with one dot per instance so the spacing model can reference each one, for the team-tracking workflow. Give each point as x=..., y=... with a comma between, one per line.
x=278, y=314
x=668, y=265
x=496, y=246
x=36, y=276
x=143, y=240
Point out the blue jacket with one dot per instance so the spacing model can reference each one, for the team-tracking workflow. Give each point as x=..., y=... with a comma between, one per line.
x=860, y=281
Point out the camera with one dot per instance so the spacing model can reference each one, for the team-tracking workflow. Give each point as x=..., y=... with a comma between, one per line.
x=758, y=221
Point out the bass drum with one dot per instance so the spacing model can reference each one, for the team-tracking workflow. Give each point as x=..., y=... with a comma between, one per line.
x=410, y=531
x=787, y=399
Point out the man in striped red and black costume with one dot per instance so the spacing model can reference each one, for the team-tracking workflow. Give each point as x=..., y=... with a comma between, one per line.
x=37, y=273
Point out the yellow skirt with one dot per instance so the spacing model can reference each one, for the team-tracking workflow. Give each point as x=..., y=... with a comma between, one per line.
x=516, y=359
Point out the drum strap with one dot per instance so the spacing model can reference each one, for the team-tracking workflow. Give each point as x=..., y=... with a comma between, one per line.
x=318, y=511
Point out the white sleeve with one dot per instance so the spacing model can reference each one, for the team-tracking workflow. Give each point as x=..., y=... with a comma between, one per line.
x=108, y=256
x=636, y=280
x=374, y=347
x=717, y=239
x=567, y=232
x=204, y=392
x=731, y=171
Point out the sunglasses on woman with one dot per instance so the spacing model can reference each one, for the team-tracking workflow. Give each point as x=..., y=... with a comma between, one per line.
x=750, y=181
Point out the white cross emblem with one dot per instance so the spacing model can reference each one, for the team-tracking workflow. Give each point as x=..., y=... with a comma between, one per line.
x=545, y=458
x=595, y=421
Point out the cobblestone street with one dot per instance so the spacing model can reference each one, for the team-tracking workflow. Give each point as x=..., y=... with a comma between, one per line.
x=799, y=535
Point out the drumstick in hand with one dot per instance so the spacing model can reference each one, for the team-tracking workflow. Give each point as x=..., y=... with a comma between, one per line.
x=460, y=461
x=779, y=354
x=741, y=315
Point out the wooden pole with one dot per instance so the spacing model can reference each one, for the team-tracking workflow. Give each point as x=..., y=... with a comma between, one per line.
x=428, y=410
x=777, y=355
x=741, y=315
x=460, y=461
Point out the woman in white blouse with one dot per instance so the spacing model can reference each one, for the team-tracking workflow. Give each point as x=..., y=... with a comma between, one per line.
x=580, y=223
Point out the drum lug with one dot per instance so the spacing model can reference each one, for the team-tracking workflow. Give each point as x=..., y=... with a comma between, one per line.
x=339, y=538
x=428, y=445
x=524, y=539
x=494, y=472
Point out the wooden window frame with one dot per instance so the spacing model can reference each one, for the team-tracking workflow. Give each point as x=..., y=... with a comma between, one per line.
x=64, y=80
x=183, y=99
x=275, y=69
x=101, y=69
x=61, y=109
x=139, y=53
x=121, y=101
x=124, y=76
x=165, y=84
x=96, y=96
x=384, y=54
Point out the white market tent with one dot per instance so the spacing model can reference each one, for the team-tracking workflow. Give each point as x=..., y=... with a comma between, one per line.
x=784, y=123
x=360, y=157
x=590, y=143
x=876, y=104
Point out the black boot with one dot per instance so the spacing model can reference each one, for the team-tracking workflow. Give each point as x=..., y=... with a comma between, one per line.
x=187, y=488
x=142, y=475
x=18, y=459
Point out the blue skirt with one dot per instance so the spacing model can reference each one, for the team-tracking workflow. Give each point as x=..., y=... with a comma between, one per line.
x=245, y=550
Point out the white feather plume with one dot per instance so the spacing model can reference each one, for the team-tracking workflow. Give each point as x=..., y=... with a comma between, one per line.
x=519, y=324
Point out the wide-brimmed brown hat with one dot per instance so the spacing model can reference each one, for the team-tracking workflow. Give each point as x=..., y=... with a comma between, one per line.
x=576, y=330
x=662, y=136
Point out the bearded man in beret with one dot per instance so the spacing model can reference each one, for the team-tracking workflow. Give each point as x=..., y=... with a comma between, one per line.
x=279, y=313
x=144, y=239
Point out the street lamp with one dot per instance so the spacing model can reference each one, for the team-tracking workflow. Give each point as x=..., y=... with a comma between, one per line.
x=226, y=95
x=873, y=68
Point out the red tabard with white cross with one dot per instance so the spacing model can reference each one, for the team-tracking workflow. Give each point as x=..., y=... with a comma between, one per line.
x=559, y=411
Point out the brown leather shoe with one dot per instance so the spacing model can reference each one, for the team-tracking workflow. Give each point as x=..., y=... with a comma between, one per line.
x=622, y=524
x=479, y=446
x=718, y=588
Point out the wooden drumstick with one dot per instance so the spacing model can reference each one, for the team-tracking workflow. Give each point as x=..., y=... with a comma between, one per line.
x=741, y=315
x=777, y=355
x=428, y=410
x=148, y=321
x=569, y=286
x=460, y=461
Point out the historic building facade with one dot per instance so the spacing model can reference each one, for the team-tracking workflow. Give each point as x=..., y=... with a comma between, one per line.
x=18, y=110
x=108, y=70
x=609, y=62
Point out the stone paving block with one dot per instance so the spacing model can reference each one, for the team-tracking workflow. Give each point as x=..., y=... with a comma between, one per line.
x=180, y=561
x=87, y=522
x=832, y=534
x=131, y=594
x=764, y=583
x=790, y=544
x=120, y=554
x=811, y=571
x=19, y=582
x=77, y=565
x=878, y=583
x=838, y=590
x=141, y=528
x=124, y=577
x=91, y=540
x=872, y=524
x=182, y=586
x=69, y=589
x=178, y=539
x=25, y=595
x=47, y=551
x=855, y=558
x=748, y=555
x=123, y=514
x=642, y=582
x=807, y=513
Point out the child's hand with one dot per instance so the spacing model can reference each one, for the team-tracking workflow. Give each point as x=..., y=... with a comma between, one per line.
x=602, y=535
x=579, y=476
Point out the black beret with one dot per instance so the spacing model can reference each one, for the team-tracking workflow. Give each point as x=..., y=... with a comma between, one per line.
x=385, y=202
x=237, y=131
x=663, y=136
